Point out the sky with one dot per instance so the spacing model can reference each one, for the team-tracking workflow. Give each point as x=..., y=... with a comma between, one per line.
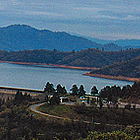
x=103, y=19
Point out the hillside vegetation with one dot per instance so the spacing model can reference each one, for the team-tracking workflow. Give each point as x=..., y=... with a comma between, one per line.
x=83, y=58
x=125, y=43
x=130, y=68
x=21, y=37
x=97, y=58
x=115, y=63
x=17, y=122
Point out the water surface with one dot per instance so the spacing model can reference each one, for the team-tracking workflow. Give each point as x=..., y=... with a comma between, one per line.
x=34, y=77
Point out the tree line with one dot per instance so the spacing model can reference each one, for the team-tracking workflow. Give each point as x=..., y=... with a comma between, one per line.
x=126, y=92
x=106, y=92
x=49, y=88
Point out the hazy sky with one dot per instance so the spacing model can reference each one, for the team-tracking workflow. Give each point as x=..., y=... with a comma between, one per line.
x=105, y=19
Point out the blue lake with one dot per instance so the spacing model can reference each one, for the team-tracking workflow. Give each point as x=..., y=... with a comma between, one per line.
x=35, y=77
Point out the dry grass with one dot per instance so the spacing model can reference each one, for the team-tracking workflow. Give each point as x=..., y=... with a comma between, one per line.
x=112, y=77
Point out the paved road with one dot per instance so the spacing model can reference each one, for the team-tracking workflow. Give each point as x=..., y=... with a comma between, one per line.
x=34, y=109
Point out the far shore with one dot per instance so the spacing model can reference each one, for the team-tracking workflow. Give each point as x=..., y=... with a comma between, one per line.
x=112, y=77
x=73, y=67
x=78, y=68
x=54, y=65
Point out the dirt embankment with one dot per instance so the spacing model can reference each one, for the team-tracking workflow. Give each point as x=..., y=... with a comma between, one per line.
x=20, y=63
x=54, y=65
x=73, y=67
x=112, y=77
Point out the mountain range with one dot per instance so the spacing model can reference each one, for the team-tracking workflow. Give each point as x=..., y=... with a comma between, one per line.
x=21, y=37
x=24, y=37
x=22, y=43
x=125, y=43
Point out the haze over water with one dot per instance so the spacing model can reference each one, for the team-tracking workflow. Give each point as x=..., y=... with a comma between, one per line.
x=34, y=77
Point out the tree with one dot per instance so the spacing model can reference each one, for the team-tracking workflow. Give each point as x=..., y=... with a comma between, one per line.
x=94, y=90
x=59, y=89
x=104, y=93
x=74, y=90
x=46, y=98
x=126, y=91
x=100, y=103
x=81, y=91
x=18, y=97
x=127, y=133
x=49, y=88
x=88, y=100
x=93, y=102
x=64, y=90
x=55, y=100
x=26, y=97
x=0, y=103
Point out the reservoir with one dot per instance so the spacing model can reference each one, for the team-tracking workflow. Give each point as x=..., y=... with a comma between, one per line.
x=35, y=77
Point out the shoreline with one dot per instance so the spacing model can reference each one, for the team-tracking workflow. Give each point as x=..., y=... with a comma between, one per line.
x=78, y=68
x=73, y=67
x=112, y=77
x=54, y=65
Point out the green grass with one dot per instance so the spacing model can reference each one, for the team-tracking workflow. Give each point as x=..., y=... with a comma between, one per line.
x=104, y=115
x=58, y=110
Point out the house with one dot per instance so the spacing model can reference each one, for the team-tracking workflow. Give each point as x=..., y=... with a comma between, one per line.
x=64, y=99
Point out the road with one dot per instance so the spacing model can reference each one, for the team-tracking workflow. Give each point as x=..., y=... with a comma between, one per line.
x=34, y=109
x=35, y=106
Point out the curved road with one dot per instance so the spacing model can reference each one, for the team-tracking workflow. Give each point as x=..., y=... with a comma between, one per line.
x=34, y=109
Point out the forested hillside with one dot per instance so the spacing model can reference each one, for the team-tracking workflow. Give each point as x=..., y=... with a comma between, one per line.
x=83, y=58
x=97, y=58
x=130, y=68
x=34, y=56
x=24, y=37
x=115, y=63
x=21, y=37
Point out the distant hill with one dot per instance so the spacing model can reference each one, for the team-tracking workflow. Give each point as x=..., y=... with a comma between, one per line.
x=21, y=37
x=128, y=42
x=122, y=43
x=130, y=68
x=24, y=37
x=100, y=41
